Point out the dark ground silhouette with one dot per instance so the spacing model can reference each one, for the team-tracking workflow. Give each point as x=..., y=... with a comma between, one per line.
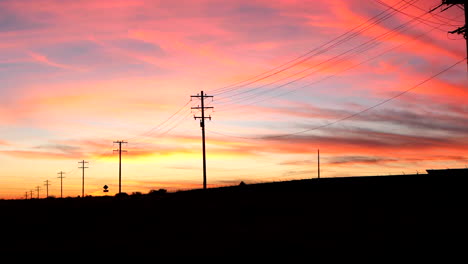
x=417, y=213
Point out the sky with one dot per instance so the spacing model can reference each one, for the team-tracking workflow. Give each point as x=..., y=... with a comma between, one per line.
x=379, y=87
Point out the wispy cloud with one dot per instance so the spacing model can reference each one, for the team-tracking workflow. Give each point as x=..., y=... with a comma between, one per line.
x=45, y=60
x=359, y=160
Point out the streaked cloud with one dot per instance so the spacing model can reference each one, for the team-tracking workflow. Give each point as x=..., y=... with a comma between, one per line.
x=79, y=75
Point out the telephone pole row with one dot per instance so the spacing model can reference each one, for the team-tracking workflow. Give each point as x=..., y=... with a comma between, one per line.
x=202, y=118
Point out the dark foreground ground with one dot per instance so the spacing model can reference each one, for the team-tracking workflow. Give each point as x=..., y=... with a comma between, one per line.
x=416, y=213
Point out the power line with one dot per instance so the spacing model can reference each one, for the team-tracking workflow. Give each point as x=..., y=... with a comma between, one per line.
x=355, y=114
x=463, y=29
x=437, y=16
x=336, y=73
x=157, y=127
x=424, y=21
x=357, y=50
x=316, y=51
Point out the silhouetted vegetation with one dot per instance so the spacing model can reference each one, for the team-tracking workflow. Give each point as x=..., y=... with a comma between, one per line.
x=418, y=213
x=121, y=195
x=157, y=192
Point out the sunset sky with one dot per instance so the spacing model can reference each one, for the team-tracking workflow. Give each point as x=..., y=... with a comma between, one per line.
x=379, y=86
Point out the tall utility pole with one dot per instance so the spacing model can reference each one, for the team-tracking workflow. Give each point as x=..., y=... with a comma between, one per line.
x=318, y=163
x=202, y=118
x=463, y=29
x=82, y=181
x=120, y=142
x=30, y=194
x=37, y=189
x=26, y=195
x=47, y=187
x=61, y=182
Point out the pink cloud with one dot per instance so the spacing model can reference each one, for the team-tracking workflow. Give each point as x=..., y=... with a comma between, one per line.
x=43, y=59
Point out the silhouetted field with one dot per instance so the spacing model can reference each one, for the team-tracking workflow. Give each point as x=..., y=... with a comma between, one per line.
x=294, y=218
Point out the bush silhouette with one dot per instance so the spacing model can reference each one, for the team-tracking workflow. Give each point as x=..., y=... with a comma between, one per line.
x=121, y=195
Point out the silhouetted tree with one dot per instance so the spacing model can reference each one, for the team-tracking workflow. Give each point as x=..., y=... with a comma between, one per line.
x=121, y=195
x=157, y=192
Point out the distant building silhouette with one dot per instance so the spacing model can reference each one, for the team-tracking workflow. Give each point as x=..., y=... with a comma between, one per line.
x=452, y=172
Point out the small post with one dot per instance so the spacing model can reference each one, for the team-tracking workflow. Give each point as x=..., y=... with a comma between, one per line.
x=318, y=163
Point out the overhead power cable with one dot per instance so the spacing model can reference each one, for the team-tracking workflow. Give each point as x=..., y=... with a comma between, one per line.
x=298, y=60
x=353, y=35
x=351, y=115
x=333, y=61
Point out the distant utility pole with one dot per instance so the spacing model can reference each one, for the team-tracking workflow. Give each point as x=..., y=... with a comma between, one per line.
x=30, y=194
x=82, y=181
x=61, y=182
x=37, y=189
x=461, y=30
x=318, y=163
x=26, y=195
x=47, y=187
x=202, y=118
x=120, y=142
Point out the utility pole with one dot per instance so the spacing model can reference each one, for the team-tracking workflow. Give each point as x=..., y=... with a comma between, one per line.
x=202, y=118
x=120, y=142
x=82, y=181
x=30, y=194
x=318, y=163
x=26, y=195
x=61, y=182
x=37, y=189
x=47, y=187
x=463, y=29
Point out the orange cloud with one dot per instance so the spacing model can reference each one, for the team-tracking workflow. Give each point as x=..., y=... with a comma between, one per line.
x=4, y=143
x=39, y=154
